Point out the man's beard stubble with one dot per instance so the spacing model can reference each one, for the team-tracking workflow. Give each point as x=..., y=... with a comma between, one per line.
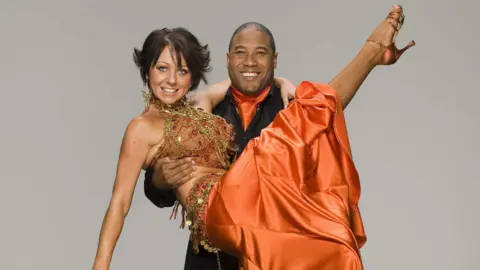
x=262, y=86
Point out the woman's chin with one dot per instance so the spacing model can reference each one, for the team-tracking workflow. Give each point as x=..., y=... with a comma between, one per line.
x=170, y=99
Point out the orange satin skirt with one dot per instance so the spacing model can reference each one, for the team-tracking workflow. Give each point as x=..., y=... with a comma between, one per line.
x=290, y=201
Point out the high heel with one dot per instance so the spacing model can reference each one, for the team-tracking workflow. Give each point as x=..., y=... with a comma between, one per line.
x=389, y=52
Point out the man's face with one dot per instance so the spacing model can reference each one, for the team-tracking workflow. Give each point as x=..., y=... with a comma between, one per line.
x=251, y=61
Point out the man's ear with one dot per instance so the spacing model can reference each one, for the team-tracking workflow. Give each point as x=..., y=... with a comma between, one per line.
x=275, y=56
x=227, y=60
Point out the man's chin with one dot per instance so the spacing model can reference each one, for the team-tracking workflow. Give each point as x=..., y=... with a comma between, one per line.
x=251, y=89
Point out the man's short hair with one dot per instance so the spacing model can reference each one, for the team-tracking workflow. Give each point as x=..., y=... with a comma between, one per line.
x=254, y=25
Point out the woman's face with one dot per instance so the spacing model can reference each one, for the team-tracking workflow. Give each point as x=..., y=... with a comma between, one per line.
x=167, y=82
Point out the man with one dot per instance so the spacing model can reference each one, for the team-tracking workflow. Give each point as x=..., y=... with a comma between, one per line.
x=253, y=100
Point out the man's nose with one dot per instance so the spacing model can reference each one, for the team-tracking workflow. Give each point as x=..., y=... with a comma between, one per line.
x=250, y=60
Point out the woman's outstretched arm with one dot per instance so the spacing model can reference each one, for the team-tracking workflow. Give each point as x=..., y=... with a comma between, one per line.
x=133, y=154
x=210, y=97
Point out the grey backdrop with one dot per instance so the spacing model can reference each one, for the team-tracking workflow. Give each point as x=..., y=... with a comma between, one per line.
x=69, y=87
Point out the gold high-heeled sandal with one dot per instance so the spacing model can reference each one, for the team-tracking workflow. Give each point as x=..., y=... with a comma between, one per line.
x=390, y=53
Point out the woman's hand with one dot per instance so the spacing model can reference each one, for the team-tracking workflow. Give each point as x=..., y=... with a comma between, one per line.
x=287, y=89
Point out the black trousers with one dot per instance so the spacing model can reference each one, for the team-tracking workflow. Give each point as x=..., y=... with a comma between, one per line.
x=205, y=260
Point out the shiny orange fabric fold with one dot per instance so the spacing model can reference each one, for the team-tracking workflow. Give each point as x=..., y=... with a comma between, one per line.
x=247, y=105
x=290, y=201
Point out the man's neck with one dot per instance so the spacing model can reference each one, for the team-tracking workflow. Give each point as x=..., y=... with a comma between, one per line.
x=247, y=94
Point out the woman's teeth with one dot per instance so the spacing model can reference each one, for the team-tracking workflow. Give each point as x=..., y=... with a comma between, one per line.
x=169, y=90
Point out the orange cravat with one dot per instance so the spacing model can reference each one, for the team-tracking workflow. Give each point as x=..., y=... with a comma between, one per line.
x=247, y=105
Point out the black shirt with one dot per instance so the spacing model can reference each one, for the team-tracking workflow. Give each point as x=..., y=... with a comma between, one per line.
x=266, y=112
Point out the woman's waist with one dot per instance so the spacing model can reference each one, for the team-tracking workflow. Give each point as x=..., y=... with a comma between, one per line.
x=200, y=179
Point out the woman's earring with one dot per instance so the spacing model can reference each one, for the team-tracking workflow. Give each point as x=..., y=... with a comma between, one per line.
x=147, y=96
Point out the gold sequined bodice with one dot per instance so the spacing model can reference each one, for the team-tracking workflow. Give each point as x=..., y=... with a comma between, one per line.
x=189, y=132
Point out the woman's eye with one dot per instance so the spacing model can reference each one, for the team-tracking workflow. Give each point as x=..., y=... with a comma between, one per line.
x=183, y=72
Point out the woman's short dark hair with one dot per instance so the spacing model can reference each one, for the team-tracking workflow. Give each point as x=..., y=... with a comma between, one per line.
x=184, y=43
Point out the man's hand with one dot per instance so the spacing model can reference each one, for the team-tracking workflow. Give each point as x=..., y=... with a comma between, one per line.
x=169, y=174
x=385, y=34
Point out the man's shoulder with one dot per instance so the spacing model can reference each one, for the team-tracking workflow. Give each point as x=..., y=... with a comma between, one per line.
x=222, y=107
x=276, y=101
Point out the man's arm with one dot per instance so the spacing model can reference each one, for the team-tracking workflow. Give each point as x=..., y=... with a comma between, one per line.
x=164, y=177
x=160, y=197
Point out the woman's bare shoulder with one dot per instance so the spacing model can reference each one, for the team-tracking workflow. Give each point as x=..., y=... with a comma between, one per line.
x=146, y=126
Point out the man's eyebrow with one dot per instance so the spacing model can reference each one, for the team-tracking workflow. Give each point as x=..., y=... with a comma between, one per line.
x=256, y=47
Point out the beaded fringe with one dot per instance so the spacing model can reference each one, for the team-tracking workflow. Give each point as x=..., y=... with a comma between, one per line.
x=175, y=212
x=194, y=213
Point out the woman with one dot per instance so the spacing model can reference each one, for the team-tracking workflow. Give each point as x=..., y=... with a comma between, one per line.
x=298, y=180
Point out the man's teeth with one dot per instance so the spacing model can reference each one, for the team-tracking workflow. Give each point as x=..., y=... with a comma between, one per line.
x=249, y=74
x=169, y=90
